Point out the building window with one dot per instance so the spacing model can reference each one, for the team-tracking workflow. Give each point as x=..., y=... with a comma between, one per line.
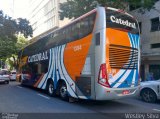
x=155, y=24
x=155, y=70
x=155, y=45
x=140, y=27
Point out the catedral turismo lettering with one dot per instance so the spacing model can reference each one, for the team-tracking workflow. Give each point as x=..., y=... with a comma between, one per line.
x=38, y=57
x=122, y=22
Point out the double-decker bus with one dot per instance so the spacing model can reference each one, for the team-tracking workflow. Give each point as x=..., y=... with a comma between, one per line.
x=96, y=56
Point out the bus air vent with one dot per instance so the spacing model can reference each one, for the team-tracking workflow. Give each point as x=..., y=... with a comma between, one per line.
x=123, y=57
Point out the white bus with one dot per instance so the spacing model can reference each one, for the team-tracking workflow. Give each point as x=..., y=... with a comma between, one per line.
x=96, y=56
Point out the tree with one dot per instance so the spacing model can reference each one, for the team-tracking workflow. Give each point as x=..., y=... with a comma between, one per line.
x=9, y=30
x=76, y=8
x=13, y=60
x=24, y=27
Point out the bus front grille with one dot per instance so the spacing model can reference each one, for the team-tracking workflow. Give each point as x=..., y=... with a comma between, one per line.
x=123, y=57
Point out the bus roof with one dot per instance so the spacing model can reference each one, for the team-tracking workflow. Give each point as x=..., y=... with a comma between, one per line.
x=119, y=10
x=50, y=31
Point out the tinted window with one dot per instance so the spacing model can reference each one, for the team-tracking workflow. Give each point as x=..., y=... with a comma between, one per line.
x=86, y=25
x=72, y=32
x=155, y=24
x=140, y=26
x=155, y=45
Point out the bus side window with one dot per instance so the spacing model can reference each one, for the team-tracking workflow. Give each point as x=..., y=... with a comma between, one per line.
x=62, y=36
x=75, y=31
x=97, y=39
x=91, y=22
x=68, y=34
x=84, y=30
x=55, y=38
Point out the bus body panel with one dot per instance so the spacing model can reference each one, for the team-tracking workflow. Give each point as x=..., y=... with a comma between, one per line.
x=78, y=62
x=71, y=63
x=122, y=50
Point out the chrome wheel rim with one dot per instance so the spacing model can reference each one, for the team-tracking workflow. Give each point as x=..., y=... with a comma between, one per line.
x=51, y=88
x=63, y=91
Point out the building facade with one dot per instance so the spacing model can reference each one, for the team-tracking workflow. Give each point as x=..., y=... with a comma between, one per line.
x=43, y=15
x=150, y=41
x=7, y=7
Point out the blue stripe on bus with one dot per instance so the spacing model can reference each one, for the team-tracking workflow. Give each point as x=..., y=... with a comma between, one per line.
x=53, y=71
x=58, y=63
x=62, y=62
x=134, y=40
x=135, y=44
x=49, y=68
x=114, y=83
x=130, y=37
x=128, y=80
x=56, y=69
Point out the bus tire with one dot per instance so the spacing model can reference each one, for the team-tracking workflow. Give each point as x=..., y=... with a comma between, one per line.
x=50, y=88
x=63, y=91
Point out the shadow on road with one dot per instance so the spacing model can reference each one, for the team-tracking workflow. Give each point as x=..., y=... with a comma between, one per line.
x=110, y=106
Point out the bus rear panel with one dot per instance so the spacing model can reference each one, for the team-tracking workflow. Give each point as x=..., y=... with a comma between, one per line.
x=118, y=72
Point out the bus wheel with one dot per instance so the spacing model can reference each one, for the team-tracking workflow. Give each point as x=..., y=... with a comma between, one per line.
x=50, y=88
x=63, y=91
x=148, y=95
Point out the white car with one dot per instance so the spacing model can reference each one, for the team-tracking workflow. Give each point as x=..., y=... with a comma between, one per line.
x=4, y=77
x=13, y=75
x=150, y=90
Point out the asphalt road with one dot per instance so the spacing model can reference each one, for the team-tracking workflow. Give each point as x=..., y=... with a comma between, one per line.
x=17, y=99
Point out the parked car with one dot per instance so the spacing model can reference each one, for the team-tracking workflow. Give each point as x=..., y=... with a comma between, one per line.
x=13, y=75
x=4, y=76
x=150, y=90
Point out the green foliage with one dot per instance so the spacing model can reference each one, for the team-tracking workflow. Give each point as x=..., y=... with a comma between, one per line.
x=76, y=8
x=21, y=42
x=9, y=30
x=12, y=60
x=24, y=27
x=10, y=63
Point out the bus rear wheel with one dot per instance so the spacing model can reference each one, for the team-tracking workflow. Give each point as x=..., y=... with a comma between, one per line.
x=63, y=91
x=50, y=88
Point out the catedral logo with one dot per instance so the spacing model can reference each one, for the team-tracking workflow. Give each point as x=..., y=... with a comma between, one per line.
x=122, y=22
x=38, y=57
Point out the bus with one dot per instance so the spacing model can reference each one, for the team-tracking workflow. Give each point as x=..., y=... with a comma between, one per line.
x=96, y=56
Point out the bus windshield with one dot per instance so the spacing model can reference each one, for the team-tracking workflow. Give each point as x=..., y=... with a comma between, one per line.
x=121, y=21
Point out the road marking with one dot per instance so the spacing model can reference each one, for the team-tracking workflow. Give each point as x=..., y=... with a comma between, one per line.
x=157, y=110
x=43, y=96
x=19, y=87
